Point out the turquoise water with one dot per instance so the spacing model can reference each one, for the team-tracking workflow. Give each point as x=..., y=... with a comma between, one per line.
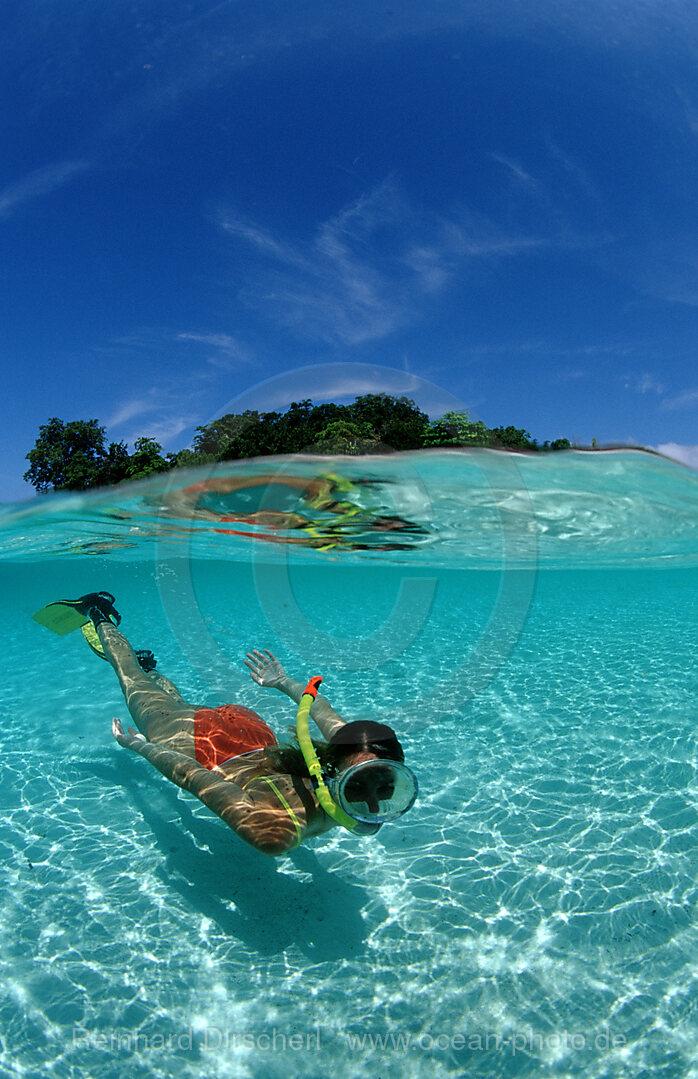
x=529, y=628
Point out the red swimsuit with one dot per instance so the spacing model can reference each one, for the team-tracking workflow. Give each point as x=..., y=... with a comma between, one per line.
x=228, y=731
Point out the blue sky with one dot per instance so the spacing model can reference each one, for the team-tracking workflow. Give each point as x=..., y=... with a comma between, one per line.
x=206, y=206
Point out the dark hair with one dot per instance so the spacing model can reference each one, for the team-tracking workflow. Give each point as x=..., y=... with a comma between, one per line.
x=366, y=736
x=361, y=736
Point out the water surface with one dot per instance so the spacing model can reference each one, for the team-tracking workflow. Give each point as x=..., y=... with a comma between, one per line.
x=528, y=625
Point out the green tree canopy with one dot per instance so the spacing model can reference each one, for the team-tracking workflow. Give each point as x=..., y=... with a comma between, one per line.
x=146, y=460
x=457, y=429
x=396, y=421
x=73, y=456
x=254, y=434
x=212, y=440
x=343, y=436
x=300, y=426
x=256, y=437
x=514, y=437
x=115, y=464
x=186, y=459
x=67, y=456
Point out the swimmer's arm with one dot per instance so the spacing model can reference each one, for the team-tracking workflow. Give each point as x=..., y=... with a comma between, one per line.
x=264, y=827
x=321, y=711
x=266, y=670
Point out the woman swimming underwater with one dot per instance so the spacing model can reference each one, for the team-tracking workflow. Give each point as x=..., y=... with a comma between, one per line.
x=273, y=796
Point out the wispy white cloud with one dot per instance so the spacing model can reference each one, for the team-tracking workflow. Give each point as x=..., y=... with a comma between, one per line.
x=560, y=197
x=687, y=455
x=161, y=413
x=665, y=265
x=366, y=271
x=38, y=183
x=128, y=410
x=224, y=351
x=671, y=279
x=649, y=384
x=563, y=363
x=646, y=383
x=193, y=365
x=516, y=169
x=221, y=341
x=687, y=399
x=169, y=344
x=575, y=173
x=164, y=430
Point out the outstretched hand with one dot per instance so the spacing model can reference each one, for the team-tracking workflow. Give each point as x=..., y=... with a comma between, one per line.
x=265, y=669
x=131, y=739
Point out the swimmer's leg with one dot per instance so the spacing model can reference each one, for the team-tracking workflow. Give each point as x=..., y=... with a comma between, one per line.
x=165, y=684
x=155, y=704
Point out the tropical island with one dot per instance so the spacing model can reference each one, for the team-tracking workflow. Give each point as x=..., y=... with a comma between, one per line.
x=74, y=456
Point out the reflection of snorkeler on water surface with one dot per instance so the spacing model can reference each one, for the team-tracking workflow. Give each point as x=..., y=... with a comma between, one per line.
x=326, y=509
x=325, y=513
x=273, y=796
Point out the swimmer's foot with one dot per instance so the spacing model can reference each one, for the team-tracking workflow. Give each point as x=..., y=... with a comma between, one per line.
x=98, y=607
x=145, y=657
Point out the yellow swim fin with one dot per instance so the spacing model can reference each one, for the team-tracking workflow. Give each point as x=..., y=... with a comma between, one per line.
x=90, y=634
x=60, y=617
x=66, y=615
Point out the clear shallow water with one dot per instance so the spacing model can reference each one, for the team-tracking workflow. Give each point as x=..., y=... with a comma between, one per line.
x=536, y=907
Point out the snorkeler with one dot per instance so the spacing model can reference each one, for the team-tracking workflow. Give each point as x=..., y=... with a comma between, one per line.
x=273, y=796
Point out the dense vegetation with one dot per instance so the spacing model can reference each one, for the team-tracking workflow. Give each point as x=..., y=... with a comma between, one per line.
x=74, y=456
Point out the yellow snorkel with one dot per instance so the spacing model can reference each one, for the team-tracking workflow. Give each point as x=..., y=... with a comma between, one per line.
x=311, y=758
